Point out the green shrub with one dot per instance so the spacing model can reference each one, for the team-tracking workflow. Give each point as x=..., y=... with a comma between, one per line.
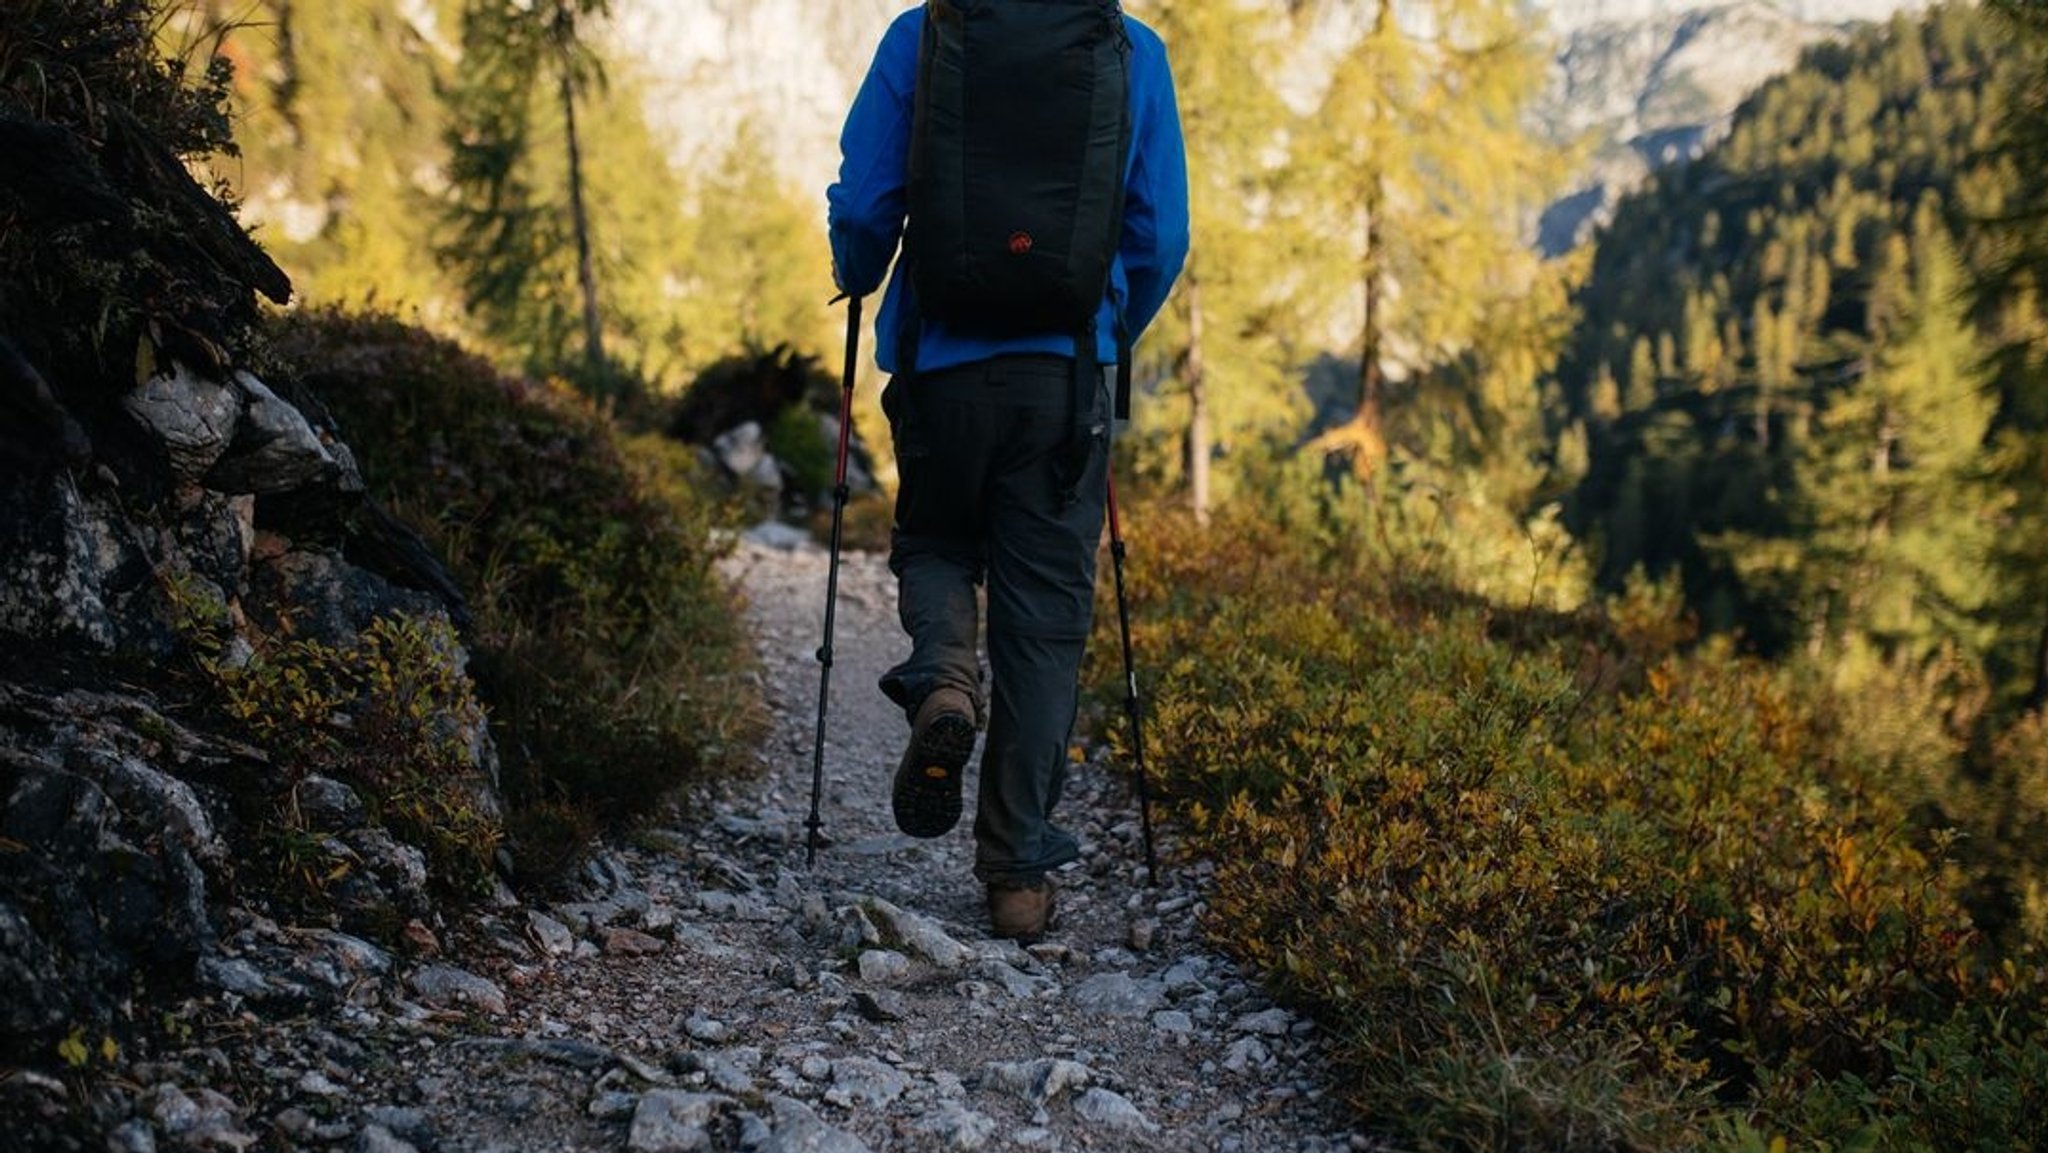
x=390, y=712
x=1554, y=885
x=796, y=440
x=605, y=643
x=392, y=715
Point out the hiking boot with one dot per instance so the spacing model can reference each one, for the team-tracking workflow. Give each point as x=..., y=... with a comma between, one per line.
x=1023, y=912
x=926, y=796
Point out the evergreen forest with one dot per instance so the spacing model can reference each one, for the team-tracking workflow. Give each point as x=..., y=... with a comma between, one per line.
x=1612, y=687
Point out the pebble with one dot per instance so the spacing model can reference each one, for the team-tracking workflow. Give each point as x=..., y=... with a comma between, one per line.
x=1117, y=994
x=448, y=987
x=1111, y=1110
x=883, y=966
x=710, y=1030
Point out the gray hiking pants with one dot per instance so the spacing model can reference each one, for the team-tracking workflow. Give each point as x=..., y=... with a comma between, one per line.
x=979, y=453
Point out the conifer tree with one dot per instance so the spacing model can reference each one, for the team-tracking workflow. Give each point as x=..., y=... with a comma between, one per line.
x=507, y=228
x=339, y=129
x=1431, y=177
x=1224, y=336
x=1842, y=193
x=1893, y=523
x=2016, y=285
x=750, y=258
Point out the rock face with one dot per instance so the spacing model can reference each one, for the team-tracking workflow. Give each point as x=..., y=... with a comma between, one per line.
x=182, y=642
x=121, y=822
x=1652, y=83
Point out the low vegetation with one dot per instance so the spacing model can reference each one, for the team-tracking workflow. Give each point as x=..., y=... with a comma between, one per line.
x=1564, y=881
x=604, y=643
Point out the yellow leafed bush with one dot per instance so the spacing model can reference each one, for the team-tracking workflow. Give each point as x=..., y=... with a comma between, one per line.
x=1552, y=884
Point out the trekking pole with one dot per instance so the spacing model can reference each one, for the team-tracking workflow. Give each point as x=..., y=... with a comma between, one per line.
x=1123, y=614
x=813, y=838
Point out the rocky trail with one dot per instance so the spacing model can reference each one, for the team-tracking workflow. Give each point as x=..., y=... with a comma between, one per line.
x=705, y=991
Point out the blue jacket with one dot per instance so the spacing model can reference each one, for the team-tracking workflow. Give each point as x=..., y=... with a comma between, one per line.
x=866, y=206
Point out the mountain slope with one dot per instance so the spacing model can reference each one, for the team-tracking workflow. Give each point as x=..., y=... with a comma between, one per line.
x=1648, y=80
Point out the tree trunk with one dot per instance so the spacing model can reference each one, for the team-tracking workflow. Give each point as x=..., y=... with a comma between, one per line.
x=1371, y=375
x=1371, y=372
x=1196, y=375
x=1361, y=438
x=2038, y=699
x=586, y=271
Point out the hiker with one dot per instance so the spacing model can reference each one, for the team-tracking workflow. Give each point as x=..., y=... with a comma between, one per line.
x=1000, y=407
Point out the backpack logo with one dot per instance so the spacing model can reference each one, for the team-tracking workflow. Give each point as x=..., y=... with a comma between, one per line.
x=1020, y=243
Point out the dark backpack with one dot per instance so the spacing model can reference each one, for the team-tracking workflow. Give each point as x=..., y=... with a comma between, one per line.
x=1018, y=142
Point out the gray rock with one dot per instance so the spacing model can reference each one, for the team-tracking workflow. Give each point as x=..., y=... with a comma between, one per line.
x=883, y=966
x=733, y=906
x=1173, y=1022
x=766, y=475
x=117, y=890
x=315, y=1083
x=390, y=876
x=729, y=1070
x=202, y=1119
x=1108, y=1110
x=921, y=936
x=168, y=803
x=865, y=1081
x=586, y=918
x=1020, y=985
x=881, y=1005
x=403, y=1121
x=1266, y=1023
x=670, y=1121
x=699, y=1026
x=275, y=449
x=787, y=537
x=76, y=571
x=1117, y=995
x=956, y=1126
x=234, y=975
x=378, y=1139
x=1246, y=1054
x=193, y=418
x=1036, y=1082
x=630, y=942
x=447, y=987
x=798, y=1130
x=741, y=449
x=351, y=957
x=856, y=928
x=329, y=806
x=701, y=943
x=132, y=1137
x=553, y=937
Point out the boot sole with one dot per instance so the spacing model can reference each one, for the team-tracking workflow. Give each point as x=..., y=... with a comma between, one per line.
x=926, y=796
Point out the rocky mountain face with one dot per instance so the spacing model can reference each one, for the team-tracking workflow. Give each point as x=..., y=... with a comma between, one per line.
x=1643, y=82
x=166, y=516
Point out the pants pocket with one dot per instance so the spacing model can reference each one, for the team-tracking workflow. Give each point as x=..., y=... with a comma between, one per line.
x=902, y=415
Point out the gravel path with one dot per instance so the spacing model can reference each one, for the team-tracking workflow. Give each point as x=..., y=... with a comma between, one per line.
x=705, y=991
